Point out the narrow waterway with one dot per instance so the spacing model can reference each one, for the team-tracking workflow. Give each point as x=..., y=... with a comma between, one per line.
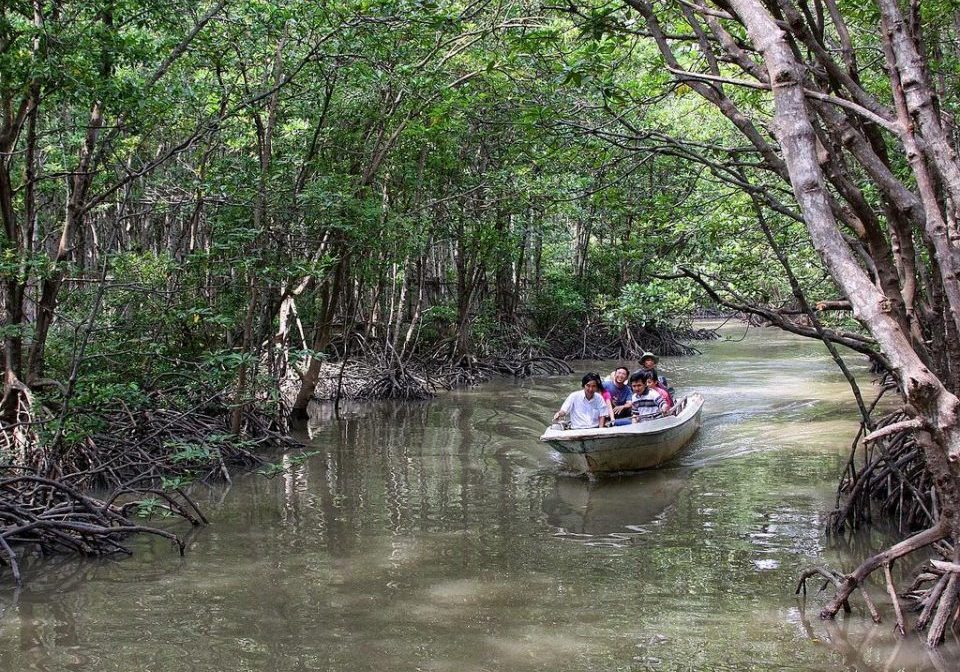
x=442, y=536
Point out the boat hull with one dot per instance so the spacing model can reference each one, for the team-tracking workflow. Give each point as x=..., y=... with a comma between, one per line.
x=644, y=445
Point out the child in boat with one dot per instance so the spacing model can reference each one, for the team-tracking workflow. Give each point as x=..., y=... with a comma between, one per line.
x=647, y=402
x=648, y=362
x=586, y=408
x=654, y=384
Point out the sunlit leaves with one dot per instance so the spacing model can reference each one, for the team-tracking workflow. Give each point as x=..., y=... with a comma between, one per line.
x=655, y=302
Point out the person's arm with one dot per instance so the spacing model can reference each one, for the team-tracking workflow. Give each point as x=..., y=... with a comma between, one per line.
x=609, y=405
x=564, y=409
x=665, y=396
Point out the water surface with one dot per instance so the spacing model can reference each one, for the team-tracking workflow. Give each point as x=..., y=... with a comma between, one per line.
x=442, y=536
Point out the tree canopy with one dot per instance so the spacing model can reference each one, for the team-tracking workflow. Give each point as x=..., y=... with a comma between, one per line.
x=216, y=199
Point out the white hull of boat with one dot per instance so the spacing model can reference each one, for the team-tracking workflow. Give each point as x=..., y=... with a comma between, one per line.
x=644, y=445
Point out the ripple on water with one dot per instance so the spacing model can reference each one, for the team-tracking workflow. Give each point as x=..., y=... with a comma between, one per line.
x=440, y=536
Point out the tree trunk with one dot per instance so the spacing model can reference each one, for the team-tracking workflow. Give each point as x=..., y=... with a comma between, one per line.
x=936, y=407
x=331, y=292
x=82, y=177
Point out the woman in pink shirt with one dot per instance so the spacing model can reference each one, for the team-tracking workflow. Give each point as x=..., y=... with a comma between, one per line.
x=654, y=384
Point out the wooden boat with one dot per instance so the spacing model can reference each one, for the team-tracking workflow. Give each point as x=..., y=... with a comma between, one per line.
x=643, y=445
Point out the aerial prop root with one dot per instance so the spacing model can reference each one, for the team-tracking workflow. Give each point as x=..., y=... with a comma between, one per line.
x=892, y=475
x=158, y=443
x=47, y=516
x=837, y=579
x=371, y=378
x=937, y=602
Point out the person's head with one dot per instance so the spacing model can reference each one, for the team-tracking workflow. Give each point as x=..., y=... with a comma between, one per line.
x=620, y=375
x=638, y=381
x=591, y=383
x=654, y=379
x=648, y=360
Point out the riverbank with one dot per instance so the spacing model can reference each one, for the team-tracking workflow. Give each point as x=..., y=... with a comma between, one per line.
x=88, y=496
x=376, y=376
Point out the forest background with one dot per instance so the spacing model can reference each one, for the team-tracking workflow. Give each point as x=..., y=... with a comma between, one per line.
x=210, y=209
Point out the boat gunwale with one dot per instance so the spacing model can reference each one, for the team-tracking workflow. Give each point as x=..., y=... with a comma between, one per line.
x=694, y=404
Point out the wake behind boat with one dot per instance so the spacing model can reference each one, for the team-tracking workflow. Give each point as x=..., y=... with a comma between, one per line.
x=643, y=445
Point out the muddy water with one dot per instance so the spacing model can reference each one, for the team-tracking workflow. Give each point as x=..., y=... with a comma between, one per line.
x=442, y=536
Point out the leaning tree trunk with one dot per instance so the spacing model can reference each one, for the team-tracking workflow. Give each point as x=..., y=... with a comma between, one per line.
x=936, y=408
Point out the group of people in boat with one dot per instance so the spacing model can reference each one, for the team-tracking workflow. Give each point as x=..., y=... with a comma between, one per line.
x=623, y=398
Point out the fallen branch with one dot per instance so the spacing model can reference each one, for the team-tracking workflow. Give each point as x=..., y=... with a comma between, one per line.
x=856, y=578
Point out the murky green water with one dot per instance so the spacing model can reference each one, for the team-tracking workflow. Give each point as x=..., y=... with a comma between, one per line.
x=441, y=536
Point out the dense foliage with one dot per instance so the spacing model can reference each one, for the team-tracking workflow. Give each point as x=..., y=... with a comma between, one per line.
x=207, y=194
x=204, y=204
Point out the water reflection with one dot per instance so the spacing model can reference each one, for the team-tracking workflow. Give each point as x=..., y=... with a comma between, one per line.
x=437, y=536
x=870, y=649
x=615, y=509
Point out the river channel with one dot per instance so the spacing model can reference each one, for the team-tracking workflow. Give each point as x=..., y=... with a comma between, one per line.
x=441, y=536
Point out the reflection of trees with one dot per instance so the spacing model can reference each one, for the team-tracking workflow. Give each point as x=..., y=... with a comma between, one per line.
x=405, y=469
x=733, y=524
x=861, y=651
x=428, y=472
x=48, y=613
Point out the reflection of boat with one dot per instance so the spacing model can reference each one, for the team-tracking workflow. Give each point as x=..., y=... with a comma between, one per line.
x=643, y=445
x=612, y=506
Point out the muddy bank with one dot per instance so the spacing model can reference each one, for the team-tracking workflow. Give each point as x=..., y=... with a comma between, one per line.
x=372, y=375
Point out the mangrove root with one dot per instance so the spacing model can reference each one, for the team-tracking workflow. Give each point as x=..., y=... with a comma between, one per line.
x=47, y=517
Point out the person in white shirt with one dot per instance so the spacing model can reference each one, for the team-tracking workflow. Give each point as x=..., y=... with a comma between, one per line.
x=585, y=408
